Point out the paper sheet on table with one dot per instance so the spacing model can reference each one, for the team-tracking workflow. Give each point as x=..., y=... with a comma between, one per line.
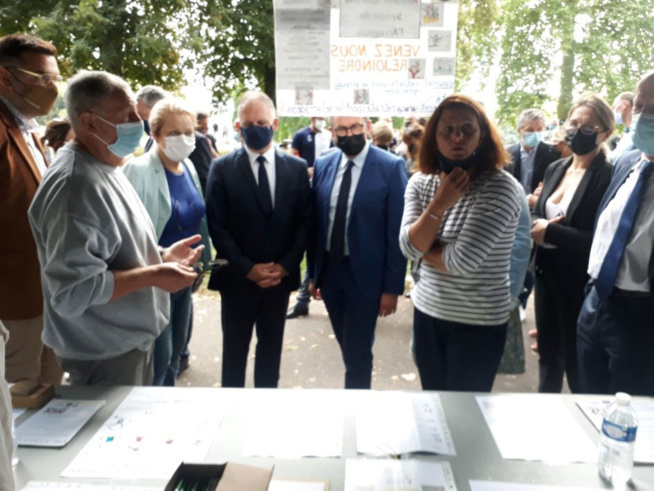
x=536, y=427
x=295, y=427
x=400, y=475
x=506, y=486
x=282, y=485
x=69, y=486
x=56, y=423
x=594, y=411
x=397, y=423
x=150, y=434
x=16, y=412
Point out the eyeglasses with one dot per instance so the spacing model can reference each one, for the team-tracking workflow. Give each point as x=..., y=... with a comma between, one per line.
x=355, y=129
x=450, y=130
x=41, y=78
x=586, y=129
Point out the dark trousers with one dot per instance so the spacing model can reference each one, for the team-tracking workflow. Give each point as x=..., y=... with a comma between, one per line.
x=456, y=356
x=242, y=310
x=354, y=318
x=558, y=297
x=303, y=296
x=615, y=345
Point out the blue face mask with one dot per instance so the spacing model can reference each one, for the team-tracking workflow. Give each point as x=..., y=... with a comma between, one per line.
x=128, y=137
x=642, y=132
x=618, y=117
x=257, y=137
x=532, y=138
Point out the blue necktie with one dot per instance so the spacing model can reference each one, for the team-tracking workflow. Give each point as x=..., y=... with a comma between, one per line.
x=337, y=245
x=609, y=270
x=263, y=189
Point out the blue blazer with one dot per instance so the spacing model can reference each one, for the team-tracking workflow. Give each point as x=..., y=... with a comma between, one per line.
x=374, y=228
x=623, y=167
x=148, y=176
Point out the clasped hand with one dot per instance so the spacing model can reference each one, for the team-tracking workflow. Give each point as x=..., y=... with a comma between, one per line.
x=266, y=275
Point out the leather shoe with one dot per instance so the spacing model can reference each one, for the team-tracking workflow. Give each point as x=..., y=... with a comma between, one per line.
x=298, y=310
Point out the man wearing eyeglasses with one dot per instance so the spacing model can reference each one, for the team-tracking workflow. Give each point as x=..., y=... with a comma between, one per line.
x=28, y=72
x=354, y=256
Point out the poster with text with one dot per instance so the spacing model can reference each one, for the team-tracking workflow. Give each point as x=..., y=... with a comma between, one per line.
x=364, y=57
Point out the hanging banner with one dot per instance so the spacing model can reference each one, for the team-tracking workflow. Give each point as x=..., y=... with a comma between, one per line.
x=364, y=57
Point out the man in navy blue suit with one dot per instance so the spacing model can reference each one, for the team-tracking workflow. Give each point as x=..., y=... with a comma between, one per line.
x=615, y=330
x=354, y=254
x=258, y=212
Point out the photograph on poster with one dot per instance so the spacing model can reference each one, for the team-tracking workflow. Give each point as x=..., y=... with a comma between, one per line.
x=440, y=41
x=304, y=96
x=432, y=14
x=417, y=68
x=361, y=96
x=443, y=67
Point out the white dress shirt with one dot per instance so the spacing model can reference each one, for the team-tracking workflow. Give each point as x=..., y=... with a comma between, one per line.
x=359, y=160
x=28, y=128
x=322, y=140
x=269, y=166
x=634, y=266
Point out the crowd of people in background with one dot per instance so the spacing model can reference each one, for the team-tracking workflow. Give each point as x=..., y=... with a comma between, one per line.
x=103, y=248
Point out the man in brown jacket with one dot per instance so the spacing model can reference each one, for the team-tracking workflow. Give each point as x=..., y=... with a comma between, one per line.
x=28, y=71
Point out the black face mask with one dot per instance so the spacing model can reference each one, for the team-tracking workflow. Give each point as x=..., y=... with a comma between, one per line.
x=448, y=165
x=351, y=145
x=580, y=143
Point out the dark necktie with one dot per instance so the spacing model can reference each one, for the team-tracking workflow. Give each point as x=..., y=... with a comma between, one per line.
x=337, y=246
x=609, y=270
x=263, y=189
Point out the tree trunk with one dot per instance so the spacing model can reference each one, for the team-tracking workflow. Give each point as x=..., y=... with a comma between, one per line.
x=569, y=47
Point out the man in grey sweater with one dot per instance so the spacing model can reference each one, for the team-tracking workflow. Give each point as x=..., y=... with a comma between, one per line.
x=105, y=280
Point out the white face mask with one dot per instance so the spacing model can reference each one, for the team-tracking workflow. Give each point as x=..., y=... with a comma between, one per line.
x=179, y=147
x=319, y=124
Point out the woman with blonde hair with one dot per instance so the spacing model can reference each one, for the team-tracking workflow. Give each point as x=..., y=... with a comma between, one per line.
x=169, y=187
x=563, y=221
x=460, y=217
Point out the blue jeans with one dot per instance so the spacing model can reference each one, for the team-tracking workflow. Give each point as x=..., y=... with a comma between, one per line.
x=169, y=345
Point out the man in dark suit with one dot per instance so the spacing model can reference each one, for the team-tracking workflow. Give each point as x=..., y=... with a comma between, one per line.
x=28, y=71
x=531, y=156
x=615, y=330
x=354, y=255
x=259, y=211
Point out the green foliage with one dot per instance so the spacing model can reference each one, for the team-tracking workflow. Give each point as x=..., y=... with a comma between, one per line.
x=571, y=46
x=288, y=126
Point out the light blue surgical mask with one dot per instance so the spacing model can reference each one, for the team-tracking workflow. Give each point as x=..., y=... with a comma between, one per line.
x=618, y=117
x=532, y=138
x=128, y=137
x=642, y=132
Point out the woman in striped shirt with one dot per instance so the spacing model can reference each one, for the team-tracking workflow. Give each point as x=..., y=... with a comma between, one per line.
x=460, y=216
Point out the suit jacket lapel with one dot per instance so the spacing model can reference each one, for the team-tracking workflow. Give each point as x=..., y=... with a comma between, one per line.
x=161, y=181
x=329, y=180
x=589, y=176
x=14, y=132
x=553, y=182
x=281, y=178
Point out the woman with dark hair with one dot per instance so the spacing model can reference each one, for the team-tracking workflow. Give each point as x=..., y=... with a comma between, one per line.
x=58, y=132
x=460, y=217
x=564, y=217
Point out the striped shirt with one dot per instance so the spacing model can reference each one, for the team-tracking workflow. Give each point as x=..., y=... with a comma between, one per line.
x=478, y=233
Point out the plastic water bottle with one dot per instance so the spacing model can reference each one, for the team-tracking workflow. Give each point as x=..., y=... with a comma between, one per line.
x=617, y=440
x=14, y=455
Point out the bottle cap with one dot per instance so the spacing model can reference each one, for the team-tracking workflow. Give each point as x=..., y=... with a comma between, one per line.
x=622, y=398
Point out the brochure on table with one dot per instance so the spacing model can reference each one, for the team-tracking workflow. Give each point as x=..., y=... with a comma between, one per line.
x=536, y=427
x=404, y=475
x=57, y=423
x=150, y=434
x=398, y=423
